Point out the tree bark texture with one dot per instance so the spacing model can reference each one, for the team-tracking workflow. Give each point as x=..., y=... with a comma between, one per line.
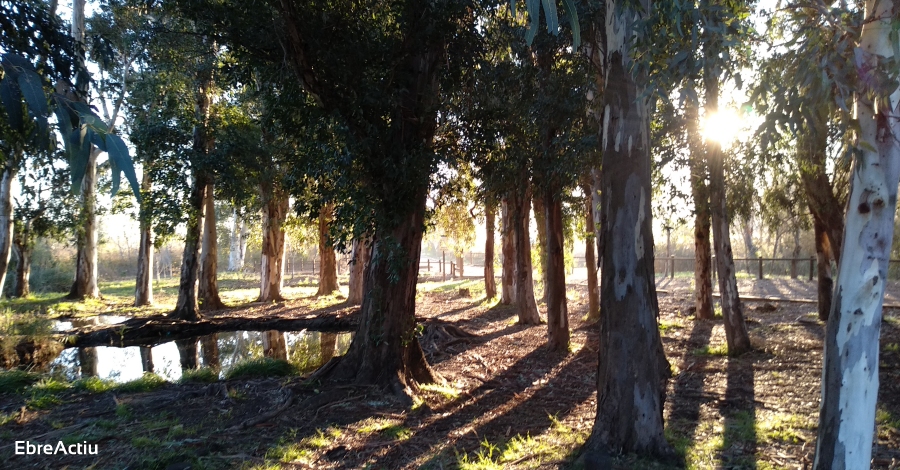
x=632, y=370
x=23, y=241
x=187, y=307
x=795, y=253
x=850, y=365
x=537, y=204
x=590, y=257
x=703, y=300
x=238, y=245
x=6, y=218
x=388, y=311
x=732, y=311
x=519, y=202
x=327, y=346
x=275, y=207
x=812, y=151
x=274, y=345
x=460, y=261
x=87, y=360
x=328, y=282
x=143, y=287
x=824, y=280
x=85, y=284
x=208, y=291
x=490, y=284
x=360, y=255
x=508, y=254
x=555, y=284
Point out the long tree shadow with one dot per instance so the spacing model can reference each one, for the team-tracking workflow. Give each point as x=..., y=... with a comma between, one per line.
x=739, y=409
x=496, y=393
x=687, y=395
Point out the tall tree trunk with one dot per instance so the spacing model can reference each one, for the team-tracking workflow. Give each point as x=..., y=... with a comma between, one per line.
x=208, y=291
x=490, y=284
x=6, y=218
x=275, y=208
x=274, y=345
x=360, y=255
x=187, y=353
x=732, y=311
x=23, y=241
x=518, y=216
x=555, y=285
x=508, y=254
x=238, y=243
x=824, y=281
x=388, y=311
x=143, y=287
x=812, y=151
x=590, y=257
x=460, y=261
x=795, y=253
x=703, y=299
x=209, y=350
x=850, y=365
x=540, y=220
x=633, y=368
x=187, y=306
x=85, y=284
x=328, y=282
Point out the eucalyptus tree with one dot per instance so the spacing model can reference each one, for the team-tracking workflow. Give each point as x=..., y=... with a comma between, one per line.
x=43, y=208
x=806, y=107
x=850, y=365
x=632, y=365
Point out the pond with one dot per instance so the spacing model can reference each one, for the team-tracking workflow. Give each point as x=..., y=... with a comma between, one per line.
x=306, y=350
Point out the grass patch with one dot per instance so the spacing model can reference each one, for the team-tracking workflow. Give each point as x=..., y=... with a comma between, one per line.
x=261, y=367
x=203, y=375
x=445, y=391
x=558, y=444
x=147, y=383
x=783, y=427
x=720, y=350
x=667, y=325
x=14, y=381
x=93, y=385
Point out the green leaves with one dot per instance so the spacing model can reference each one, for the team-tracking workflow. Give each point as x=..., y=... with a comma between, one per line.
x=552, y=17
x=20, y=81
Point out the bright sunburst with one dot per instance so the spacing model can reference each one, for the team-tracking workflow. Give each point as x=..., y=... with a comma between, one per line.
x=722, y=127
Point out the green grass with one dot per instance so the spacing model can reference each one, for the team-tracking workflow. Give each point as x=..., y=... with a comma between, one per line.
x=261, y=367
x=202, y=375
x=93, y=385
x=720, y=350
x=558, y=444
x=667, y=325
x=147, y=383
x=14, y=381
x=445, y=391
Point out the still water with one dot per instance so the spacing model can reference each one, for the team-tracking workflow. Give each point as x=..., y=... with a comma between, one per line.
x=306, y=349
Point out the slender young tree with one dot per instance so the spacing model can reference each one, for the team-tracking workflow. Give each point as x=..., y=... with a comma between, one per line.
x=328, y=281
x=490, y=284
x=276, y=204
x=208, y=288
x=508, y=256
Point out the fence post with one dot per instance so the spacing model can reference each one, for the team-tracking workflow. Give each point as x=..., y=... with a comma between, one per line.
x=812, y=262
x=443, y=266
x=672, y=265
x=760, y=275
x=428, y=263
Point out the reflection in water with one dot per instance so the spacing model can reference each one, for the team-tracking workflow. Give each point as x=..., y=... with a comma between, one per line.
x=305, y=349
x=273, y=345
x=209, y=348
x=187, y=353
x=146, y=358
x=87, y=362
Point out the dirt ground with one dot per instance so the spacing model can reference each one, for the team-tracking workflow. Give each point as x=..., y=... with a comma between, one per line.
x=508, y=403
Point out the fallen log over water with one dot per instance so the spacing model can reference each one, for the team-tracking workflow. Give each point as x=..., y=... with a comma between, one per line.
x=158, y=329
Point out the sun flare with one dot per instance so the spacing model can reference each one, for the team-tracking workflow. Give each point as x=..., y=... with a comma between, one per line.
x=722, y=127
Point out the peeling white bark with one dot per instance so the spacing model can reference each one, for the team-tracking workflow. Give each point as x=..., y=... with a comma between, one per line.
x=850, y=366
